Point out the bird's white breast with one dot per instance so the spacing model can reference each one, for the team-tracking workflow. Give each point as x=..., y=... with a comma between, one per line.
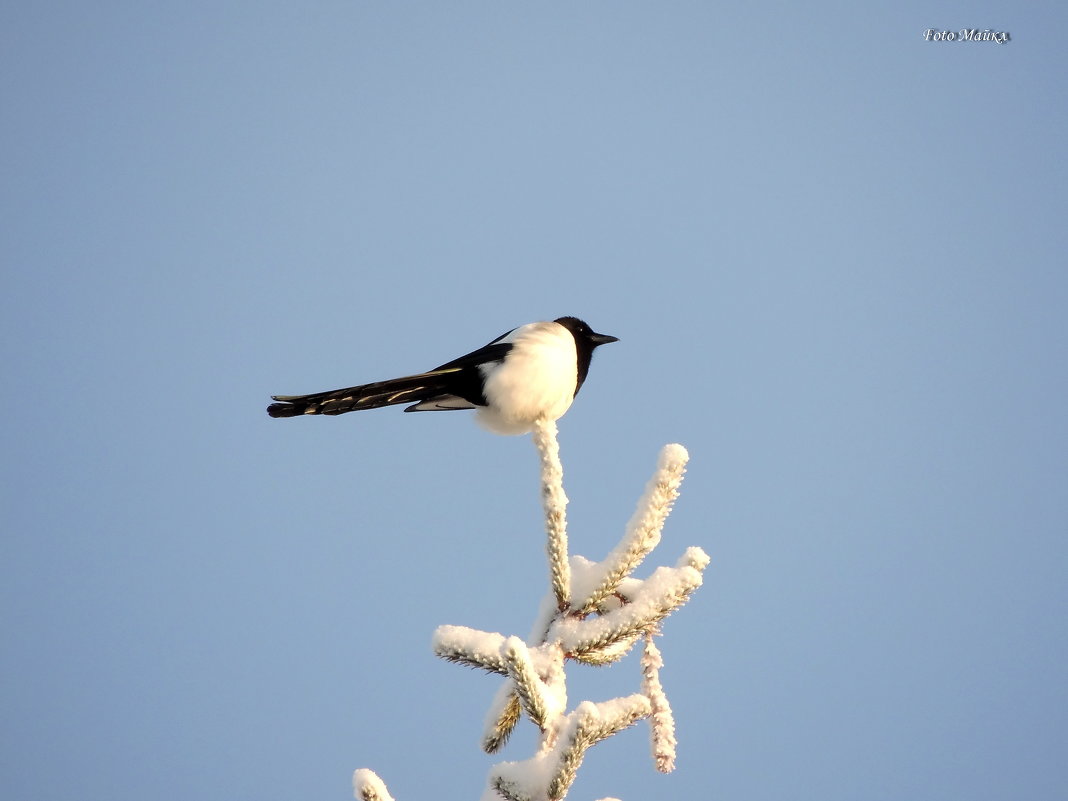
x=536, y=379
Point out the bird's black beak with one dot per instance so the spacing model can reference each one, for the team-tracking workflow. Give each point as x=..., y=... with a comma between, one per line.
x=602, y=339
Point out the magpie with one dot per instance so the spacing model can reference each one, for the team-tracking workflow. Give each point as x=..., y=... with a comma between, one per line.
x=532, y=371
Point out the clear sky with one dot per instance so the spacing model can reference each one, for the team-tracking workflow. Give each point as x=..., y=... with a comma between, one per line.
x=833, y=252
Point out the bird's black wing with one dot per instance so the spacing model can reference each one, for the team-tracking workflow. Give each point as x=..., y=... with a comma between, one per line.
x=493, y=352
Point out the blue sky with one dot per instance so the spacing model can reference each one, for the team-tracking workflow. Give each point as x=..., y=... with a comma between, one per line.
x=833, y=252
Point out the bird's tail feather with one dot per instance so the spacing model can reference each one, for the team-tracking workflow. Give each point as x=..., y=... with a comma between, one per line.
x=367, y=396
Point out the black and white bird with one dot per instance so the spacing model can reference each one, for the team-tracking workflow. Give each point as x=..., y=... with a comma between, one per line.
x=531, y=372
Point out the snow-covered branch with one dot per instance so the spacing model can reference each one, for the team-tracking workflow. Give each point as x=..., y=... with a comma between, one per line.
x=594, y=613
x=656, y=597
x=643, y=530
x=555, y=503
x=662, y=722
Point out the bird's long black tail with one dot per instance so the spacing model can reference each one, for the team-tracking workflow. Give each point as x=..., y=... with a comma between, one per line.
x=409, y=389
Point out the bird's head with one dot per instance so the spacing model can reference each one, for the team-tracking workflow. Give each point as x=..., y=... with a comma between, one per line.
x=583, y=333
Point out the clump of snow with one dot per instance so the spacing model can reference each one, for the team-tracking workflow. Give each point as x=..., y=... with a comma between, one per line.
x=367, y=786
